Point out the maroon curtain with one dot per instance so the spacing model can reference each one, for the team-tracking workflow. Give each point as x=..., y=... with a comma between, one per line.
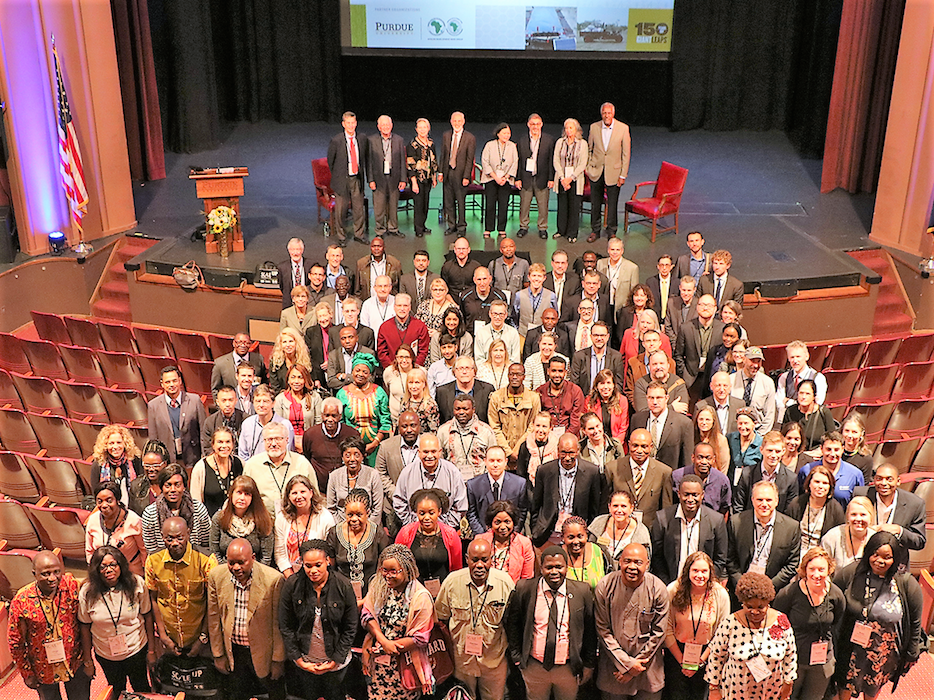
x=867, y=50
x=138, y=86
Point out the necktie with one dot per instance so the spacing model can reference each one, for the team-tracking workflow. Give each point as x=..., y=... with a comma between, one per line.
x=421, y=289
x=747, y=392
x=551, y=637
x=496, y=491
x=353, y=156
x=637, y=476
x=297, y=274
x=585, y=337
x=174, y=403
x=654, y=430
x=455, y=142
x=719, y=286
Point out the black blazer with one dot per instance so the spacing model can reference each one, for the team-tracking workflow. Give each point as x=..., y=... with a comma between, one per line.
x=315, y=343
x=677, y=439
x=654, y=284
x=444, y=397
x=466, y=154
x=683, y=265
x=480, y=497
x=688, y=349
x=339, y=162
x=733, y=404
x=339, y=616
x=786, y=481
x=213, y=422
x=544, y=164
x=580, y=368
x=408, y=285
x=910, y=513
x=605, y=312
x=285, y=279
x=365, y=336
x=565, y=345
x=224, y=371
x=666, y=541
x=783, y=557
x=588, y=491
x=582, y=629
x=398, y=173
x=833, y=512
x=673, y=319
x=572, y=288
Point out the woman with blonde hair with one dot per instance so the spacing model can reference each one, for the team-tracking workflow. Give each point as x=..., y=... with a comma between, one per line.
x=115, y=458
x=431, y=310
x=855, y=450
x=288, y=351
x=296, y=316
x=570, y=161
x=647, y=320
x=707, y=429
x=318, y=341
x=495, y=368
x=846, y=542
x=299, y=403
x=416, y=398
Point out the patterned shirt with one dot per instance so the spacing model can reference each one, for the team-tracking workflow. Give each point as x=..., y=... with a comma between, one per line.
x=241, y=621
x=35, y=620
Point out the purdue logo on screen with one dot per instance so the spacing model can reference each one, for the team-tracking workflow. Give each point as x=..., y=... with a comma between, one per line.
x=395, y=28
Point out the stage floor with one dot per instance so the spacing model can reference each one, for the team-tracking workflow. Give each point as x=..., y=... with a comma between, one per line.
x=748, y=192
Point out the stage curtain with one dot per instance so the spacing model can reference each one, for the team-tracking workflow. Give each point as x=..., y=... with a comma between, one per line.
x=759, y=66
x=137, y=71
x=862, y=91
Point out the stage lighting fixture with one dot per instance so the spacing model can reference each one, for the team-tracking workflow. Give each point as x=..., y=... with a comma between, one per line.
x=57, y=243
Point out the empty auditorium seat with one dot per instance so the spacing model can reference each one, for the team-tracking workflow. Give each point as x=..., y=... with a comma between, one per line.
x=55, y=436
x=910, y=419
x=916, y=348
x=151, y=369
x=881, y=352
x=16, y=481
x=775, y=358
x=60, y=527
x=83, y=333
x=924, y=459
x=82, y=365
x=915, y=381
x=16, y=527
x=51, y=327
x=57, y=479
x=12, y=355
x=190, y=346
x=121, y=370
x=117, y=337
x=125, y=406
x=153, y=341
x=16, y=433
x=86, y=435
x=15, y=571
x=840, y=383
x=874, y=384
x=9, y=396
x=197, y=376
x=817, y=355
x=844, y=355
x=82, y=402
x=45, y=359
x=901, y=453
x=922, y=559
x=84, y=468
x=924, y=489
x=140, y=435
x=39, y=395
x=219, y=344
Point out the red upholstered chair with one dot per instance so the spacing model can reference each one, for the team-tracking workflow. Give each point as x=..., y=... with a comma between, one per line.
x=665, y=199
x=474, y=190
x=61, y=528
x=51, y=327
x=16, y=481
x=327, y=201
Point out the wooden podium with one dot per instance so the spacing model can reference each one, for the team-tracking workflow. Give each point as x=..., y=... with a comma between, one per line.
x=220, y=187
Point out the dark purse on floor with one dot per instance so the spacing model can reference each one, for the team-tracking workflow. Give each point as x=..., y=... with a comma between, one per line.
x=195, y=676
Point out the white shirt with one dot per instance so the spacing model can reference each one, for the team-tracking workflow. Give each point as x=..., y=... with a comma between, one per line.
x=884, y=515
x=690, y=532
x=376, y=269
x=373, y=313
x=607, y=132
x=659, y=423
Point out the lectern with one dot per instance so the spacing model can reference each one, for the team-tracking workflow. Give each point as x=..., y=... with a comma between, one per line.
x=220, y=187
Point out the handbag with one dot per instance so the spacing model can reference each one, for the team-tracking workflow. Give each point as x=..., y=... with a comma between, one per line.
x=188, y=276
x=440, y=652
x=195, y=676
x=266, y=276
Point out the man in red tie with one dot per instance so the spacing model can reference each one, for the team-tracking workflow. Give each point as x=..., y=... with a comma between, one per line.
x=347, y=156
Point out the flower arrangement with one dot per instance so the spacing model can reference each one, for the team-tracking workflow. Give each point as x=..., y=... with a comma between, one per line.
x=221, y=220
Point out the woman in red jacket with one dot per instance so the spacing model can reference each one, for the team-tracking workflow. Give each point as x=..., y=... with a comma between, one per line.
x=436, y=546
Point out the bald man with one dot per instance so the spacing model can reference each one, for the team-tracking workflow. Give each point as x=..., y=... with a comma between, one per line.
x=472, y=603
x=45, y=641
x=245, y=640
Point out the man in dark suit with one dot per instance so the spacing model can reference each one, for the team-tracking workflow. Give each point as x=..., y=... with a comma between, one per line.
x=673, y=433
x=227, y=416
x=695, y=264
x=647, y=480
x=549, y=324
x=340, y=357
x=536, y=149
x=388, y=174
x=564, y=486
x=897, y=511
x=175, y=418
x=695, y=340
x=720, y=400
x=465, y=382
x=293, y=271
x=683, y=307
x=662, y=285
x=770, y=469
x=763, y=540
x=561, y=657
x=347, y=157
x=590, y=289
x=703, y=529
x=417, y=284
x=719, y=283
x=496, y=485
x=377, y=263
x=587, y=362
x=565, y=284
x=224, y=372
x=458, y=149
x=350, y=308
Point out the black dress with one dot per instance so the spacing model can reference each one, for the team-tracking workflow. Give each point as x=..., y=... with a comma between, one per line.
x=215, y=488
x=431, y=556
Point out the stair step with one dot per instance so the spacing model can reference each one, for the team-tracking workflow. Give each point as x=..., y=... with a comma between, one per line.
x=110, y=308
x=115, y=288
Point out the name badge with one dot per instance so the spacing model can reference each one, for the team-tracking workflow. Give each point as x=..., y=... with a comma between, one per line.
x=357, y=589
x=757, y=569
x=818, y=653
x=434, y=587
x=703, y=361
x=178, y=446
x=692, y=653
x=530, y=164
x=118, y=646
x=473, y=645
x=55, y=651
x=561, y=646
x=385, y=167
x=604, y=541
x=862, y=633
x=758, y=668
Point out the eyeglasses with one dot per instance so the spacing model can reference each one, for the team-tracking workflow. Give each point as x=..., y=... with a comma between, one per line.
x=107, y=567
x=274, y=440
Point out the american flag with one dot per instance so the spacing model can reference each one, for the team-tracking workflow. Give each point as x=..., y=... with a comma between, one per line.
x=69, y=154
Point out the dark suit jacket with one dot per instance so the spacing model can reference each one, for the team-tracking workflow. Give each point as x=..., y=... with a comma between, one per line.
x=572, y=288
x=582, y=629
x=190, y=420
x=315, y=342
x=734, y=289
x=676, y=442
x=833, y=512
x=224, y=372
x=444, y=397
x=783, y=556
x=654, y=284
x=910, y=513
x=466, y=154
x=339, y=162
x=480, y=497
x=605, y=312
x=286, y=283
x=398, y=173
x=565, y=345
x=336, y=364
x=544, y=164
x=588, y=497
x=688, y=348
x=580, y=368
x=734, y=405
x=666, y=541
x=393, y=271
x=365, y=336
x=657, y=491
x=408, y=285
x=212, y=423
x=673, y=319
x=683, y=265
x=786, y=481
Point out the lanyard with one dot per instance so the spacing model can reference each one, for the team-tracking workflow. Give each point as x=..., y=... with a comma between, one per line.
x=875, y=597
x=819, y=611
x=567, y=498
x=385, y=310
x=117, y=524
x=285, y=479
x=56, y=605
x=474, y=619
x=403, y=449
x=507, y=273
x=469, y=449
x=552, y=603
x=431, y=478
x=760, y=543
x=536, y=302
x=690, y=527
x=501, y=556
x=113, y=619
x=619, y=544
x=700, y=617
x=387, y=148
x=501, y=147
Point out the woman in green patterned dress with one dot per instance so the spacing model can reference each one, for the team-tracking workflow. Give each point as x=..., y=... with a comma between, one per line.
x=366, y=406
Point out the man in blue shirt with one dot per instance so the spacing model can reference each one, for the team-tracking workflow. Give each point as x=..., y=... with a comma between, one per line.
x=848, y=476
x=717, y=491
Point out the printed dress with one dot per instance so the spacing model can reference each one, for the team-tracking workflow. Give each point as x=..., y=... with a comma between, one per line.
x=873, y=667
x=368, y=412
x=385, y=679
x=734, y=644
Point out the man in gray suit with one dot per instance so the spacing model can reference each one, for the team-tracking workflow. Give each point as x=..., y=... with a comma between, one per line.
x=417, y=284
x=395, y=454
x=175, y=419
x=623, y=274
x=607, y=168
x=695, y=339
x=225, y=366
x=340, y=358
x=387, y=171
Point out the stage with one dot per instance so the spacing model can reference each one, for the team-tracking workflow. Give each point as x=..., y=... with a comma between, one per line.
x=748, y=192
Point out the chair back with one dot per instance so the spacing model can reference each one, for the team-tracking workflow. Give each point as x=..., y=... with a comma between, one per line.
x=16, y=432
x=15, y=572
x=50, y=327
x=58, y=479
x=82, y=402
x=16, y=481
x=60, y=527
x=671, y=179
x=321, y=174
x=9, y=396
x=16, y=527
x=55, y=436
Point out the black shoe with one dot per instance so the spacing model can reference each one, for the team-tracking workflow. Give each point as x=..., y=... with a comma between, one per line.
x=572, y=240
x=450, y=231
x=362, y=239
x=419, y=234
x=522, y=233
x=342, y=242
x=592, y=237
x=543, y=235
x=397, y=234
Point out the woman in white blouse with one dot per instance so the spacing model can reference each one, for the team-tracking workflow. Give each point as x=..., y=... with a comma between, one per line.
x=845, y=542
x=499, y=163
x=302, y=517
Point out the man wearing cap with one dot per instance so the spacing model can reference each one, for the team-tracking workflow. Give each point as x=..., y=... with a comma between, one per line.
x=756, y=389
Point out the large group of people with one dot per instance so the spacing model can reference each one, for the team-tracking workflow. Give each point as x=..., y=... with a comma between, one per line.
x=582, y=475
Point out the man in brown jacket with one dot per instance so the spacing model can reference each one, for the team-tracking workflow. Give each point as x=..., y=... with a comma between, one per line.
x=243, y=623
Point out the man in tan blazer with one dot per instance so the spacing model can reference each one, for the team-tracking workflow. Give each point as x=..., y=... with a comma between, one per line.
x=607, y=168
x=245, y=640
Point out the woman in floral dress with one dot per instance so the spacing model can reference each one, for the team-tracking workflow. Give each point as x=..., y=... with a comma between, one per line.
x=398, y=614
x=422, y=162
x=366, y=406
